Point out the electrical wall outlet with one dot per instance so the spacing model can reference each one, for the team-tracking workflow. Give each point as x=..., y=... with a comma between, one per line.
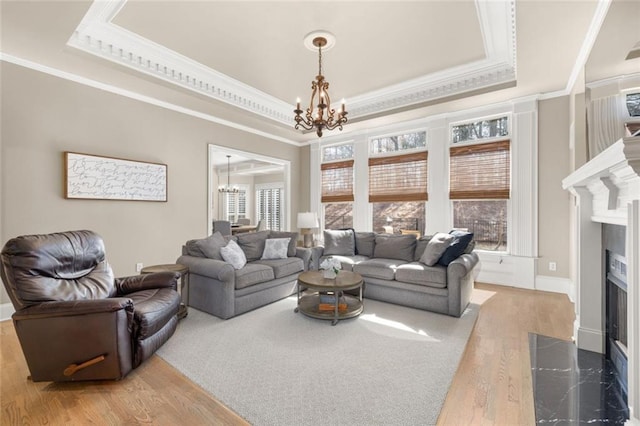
x=552, y=266
x=138, y=267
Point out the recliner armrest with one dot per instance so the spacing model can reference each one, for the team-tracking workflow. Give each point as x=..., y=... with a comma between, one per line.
x=69, y=308
x=126, y=285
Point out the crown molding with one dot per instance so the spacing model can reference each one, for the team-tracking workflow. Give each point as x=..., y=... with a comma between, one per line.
x=97, y=35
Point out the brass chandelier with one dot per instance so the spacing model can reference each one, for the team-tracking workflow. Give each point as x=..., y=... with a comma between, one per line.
x=322, y=116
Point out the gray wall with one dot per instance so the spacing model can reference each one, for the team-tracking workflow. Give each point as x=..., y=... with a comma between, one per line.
x=553, y=202
x=43, y=116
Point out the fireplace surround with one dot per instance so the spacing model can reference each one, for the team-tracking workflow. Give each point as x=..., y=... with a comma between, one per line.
x=607, y=191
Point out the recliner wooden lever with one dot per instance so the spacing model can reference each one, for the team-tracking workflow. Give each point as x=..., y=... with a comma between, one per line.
x=71, y=369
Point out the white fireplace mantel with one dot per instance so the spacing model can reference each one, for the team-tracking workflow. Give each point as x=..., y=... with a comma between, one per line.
x=607, y=190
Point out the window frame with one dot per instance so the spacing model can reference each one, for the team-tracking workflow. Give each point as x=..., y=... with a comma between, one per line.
x=509, y=137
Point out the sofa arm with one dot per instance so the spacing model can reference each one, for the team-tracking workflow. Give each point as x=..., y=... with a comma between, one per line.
x=461, y=266
x=126, y=285
x=316, y=254
x=460, y=279
x=212, y=268
x=304, y=254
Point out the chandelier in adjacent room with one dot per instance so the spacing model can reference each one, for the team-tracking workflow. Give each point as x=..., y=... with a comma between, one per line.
x=227, y=189
x=320, y=115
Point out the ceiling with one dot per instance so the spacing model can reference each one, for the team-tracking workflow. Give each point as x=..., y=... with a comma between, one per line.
x=243, y=63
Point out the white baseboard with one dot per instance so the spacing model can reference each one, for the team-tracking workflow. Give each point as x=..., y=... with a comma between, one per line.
x=6, y=310
x=556, y=285
x=590, y=340
x=503, y=269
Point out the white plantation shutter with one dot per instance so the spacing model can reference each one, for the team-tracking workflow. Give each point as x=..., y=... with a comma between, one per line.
x=270, y=207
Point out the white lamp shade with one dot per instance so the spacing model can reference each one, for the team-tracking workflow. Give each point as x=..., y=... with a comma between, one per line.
x=308, y=220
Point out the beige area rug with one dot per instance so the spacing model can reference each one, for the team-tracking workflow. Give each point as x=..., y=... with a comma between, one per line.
x=390, y=366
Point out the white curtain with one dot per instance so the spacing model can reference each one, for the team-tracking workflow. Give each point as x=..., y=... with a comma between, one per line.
x=606, y=118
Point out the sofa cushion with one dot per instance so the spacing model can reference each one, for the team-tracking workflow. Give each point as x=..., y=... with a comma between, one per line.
x=378, y=267
x=210, y=246
x=283, y=267
x=233, y=254
x=347, y=261
x=252, y=274
x=340, y=242
x=421, y=244
x=275, y=248
x=292, y=243
x=252, y=244
x=419, y=273
x=365, y=243
x=457, y=247
x=435, y=248
x=399, y=247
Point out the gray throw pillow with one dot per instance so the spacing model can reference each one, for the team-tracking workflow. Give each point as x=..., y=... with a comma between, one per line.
x=252, y=243
x=436, y=247
x=233, y=254
x=192, y=249
x=399, y=247
x=421, y=244
x=365, y=243
x=292, y=243
x=339, y=243
x=275, y=248
x=211, y=245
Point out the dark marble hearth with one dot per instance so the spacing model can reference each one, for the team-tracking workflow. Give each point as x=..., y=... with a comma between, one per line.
x=573, y=386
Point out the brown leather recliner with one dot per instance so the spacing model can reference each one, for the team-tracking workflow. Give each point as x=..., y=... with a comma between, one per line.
x=74, y=320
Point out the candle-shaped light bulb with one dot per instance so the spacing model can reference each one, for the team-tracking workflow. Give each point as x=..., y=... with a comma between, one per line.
x=342, y=105
x=297, y=103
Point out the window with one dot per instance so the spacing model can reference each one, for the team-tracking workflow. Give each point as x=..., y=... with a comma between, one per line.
x=337, y=186
x=269, y=205
x=479, y=186
x=484, y=129
x=337, y=152
x=633, y=104
x=397, y=143
x=338, y=215
x=236, y=204
x=398, y=191
x=397, y=217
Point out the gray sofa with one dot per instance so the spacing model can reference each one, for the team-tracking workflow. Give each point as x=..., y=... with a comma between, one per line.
x=218, y=288
x=392, y=271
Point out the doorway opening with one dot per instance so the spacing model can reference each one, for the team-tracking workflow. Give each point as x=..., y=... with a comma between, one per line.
x=263, y=183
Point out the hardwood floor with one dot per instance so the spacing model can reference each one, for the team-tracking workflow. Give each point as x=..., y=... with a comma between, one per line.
x=492, y=384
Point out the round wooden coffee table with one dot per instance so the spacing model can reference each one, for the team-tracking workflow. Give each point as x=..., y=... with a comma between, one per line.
x=321, y=293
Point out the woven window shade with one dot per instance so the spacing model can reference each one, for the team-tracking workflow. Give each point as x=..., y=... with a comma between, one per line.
x=337, y=181
x=398, y=178
x=480, y=171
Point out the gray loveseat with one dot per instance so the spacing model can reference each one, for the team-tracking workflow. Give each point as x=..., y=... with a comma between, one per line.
x=392, y=271
x=217, y=287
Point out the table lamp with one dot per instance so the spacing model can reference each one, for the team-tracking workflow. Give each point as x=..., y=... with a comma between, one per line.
x=306, y=221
